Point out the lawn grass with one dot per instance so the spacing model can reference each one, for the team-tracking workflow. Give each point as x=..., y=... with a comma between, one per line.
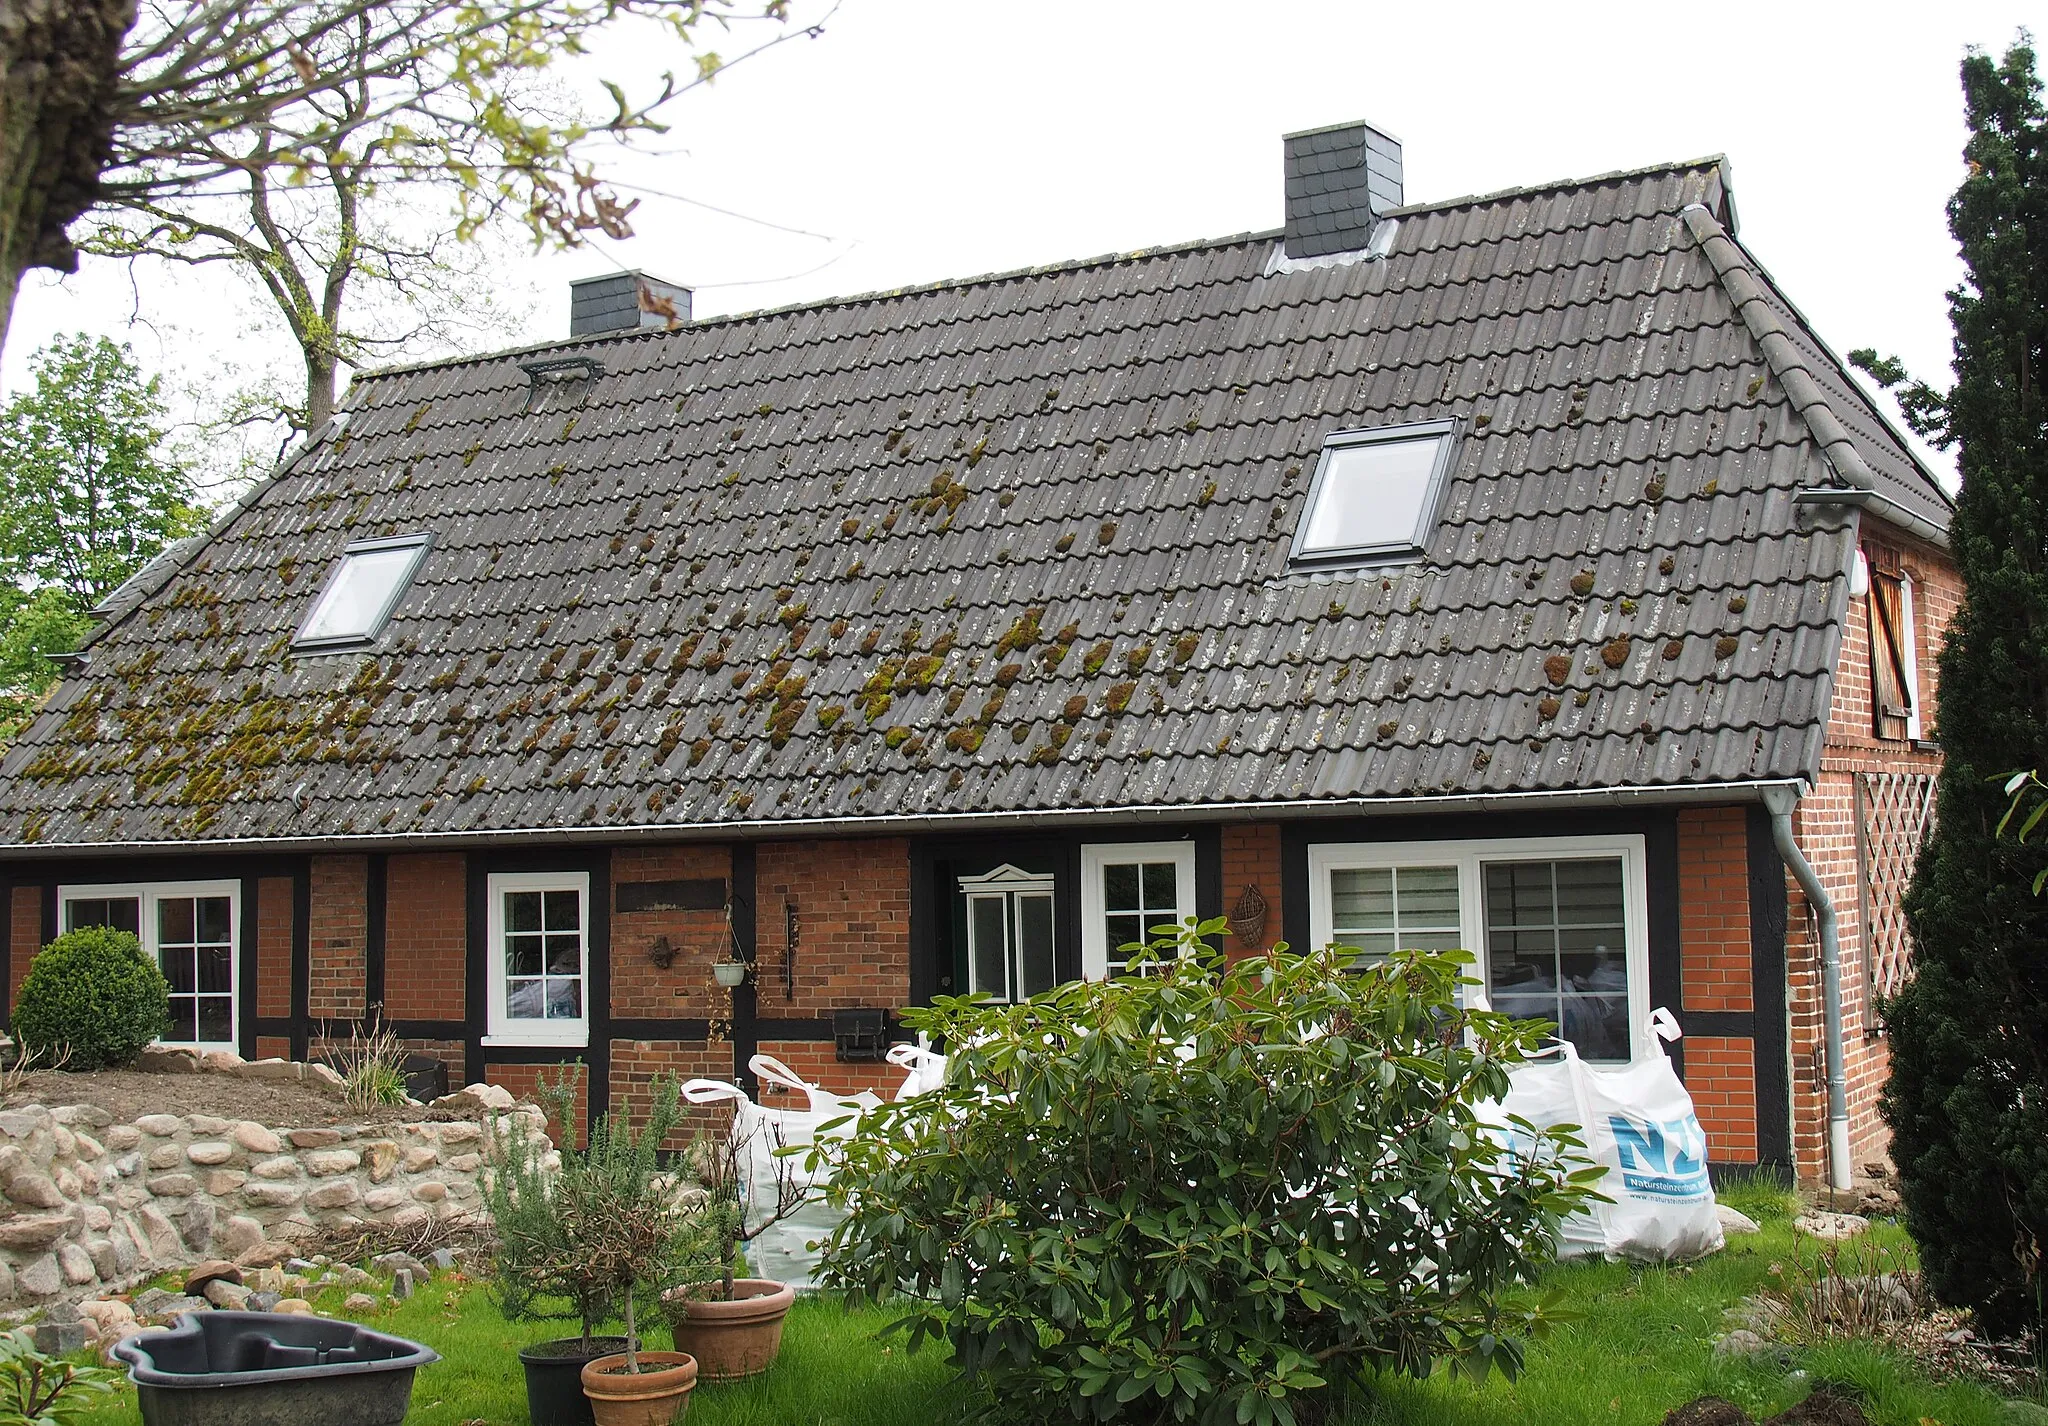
x=1642, y=1344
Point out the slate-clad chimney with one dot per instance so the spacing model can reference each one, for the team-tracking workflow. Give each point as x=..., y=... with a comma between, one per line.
x=624, y=302
x=1339, y=180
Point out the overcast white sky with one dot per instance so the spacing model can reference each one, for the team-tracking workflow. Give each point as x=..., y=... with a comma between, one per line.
x=922, y=139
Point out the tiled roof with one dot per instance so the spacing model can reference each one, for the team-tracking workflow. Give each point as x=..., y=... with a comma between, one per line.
x=1020, y=543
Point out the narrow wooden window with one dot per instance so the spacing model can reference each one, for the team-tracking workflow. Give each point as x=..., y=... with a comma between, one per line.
x=1891, y=682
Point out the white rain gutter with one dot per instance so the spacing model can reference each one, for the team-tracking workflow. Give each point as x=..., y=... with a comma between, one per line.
x=933, y=823
x=1780, y=800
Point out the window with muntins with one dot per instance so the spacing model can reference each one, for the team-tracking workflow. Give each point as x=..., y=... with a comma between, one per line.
x=1128, y=890
x=190, y=929
x=1374, y=496
x=1557, y=925
x=540, y=958
x=1009, y=933
x=356, y=602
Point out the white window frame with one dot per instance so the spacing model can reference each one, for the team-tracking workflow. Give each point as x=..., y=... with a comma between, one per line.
x=147, y=894
x=1010, y=885
x=502, y=1029
x=1470, y=857
x=1909, y=638
x=1095, y=856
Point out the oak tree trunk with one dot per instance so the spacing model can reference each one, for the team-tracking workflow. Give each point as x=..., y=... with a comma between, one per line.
x=59, y=66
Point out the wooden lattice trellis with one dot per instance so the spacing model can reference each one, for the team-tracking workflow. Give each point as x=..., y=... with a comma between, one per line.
x=1894, y=814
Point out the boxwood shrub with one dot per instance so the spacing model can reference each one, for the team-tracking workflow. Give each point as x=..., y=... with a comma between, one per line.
x=1213, y=1193
x=91, y=998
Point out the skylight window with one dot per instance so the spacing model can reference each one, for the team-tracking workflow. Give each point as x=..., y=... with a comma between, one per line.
x=365, y=587
x=1374, y=495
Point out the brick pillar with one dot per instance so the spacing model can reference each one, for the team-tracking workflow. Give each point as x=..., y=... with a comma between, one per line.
x=1251, y=857
x=340, y=936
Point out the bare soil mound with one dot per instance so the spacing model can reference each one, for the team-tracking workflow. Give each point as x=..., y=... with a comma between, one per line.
x=277, y=1103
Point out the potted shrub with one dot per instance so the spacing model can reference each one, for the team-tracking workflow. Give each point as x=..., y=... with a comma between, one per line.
x=542, y=1269
x=732, y=1324
x=633, y=1224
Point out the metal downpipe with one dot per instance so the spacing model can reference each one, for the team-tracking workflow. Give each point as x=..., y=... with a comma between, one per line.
x=1780, y=800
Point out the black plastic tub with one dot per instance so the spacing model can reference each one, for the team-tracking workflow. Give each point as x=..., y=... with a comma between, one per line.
x=271, y=1369
x=554, y=1379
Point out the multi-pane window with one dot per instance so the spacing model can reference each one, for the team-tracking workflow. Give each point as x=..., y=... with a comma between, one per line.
x=1556, y=925
x=539, y=934
x=1128, y=891
x=1384, y=909
x=1009, y=933
x=188, y=928
x=1556, y=949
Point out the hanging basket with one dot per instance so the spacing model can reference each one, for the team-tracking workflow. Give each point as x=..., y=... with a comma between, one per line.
x=1248, y=919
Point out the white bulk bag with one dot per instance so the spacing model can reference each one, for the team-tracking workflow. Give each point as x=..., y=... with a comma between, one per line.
x=924, y=1069
x=787, y=1251
x=1638, y=1122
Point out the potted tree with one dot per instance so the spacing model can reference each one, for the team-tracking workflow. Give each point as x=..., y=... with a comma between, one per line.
x=635, y=1225
x=551, y=1263
x=732, y=1324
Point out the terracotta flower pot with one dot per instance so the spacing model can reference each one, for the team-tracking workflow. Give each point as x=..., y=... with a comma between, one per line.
x=656, y=1395
x=731, y=1338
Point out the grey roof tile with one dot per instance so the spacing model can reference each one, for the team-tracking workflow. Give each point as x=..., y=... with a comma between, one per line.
x=826, y=562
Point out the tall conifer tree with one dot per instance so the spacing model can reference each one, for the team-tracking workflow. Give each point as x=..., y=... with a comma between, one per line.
x=1968, y=1096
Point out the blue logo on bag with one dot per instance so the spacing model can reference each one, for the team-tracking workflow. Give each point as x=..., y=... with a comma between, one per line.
x=1661, y=1158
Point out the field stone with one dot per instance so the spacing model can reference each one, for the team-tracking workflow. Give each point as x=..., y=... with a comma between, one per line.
x=1822, y=1224
x=339, y=1194
x=313, y=1138
x=122, y=1137
x=237, y=1234
x=430, y=1191
x=163, y=1059
x=415, y=1159
x=164, y=1243
x=263, y=1302
x=221, y=1061
x=227, y=1296
x=60, y=1339
x=41, y=1278
x=461, y=1132
x=325, y=1074
x=125, y=1256
x=401, y=1284
x=173, y=1185
x=382, y=1157
x=197, y=1228
x=87, y=1147
x=75, y=1264
x=272, y=1069
x=35, y=1231
x=327, y=1162
x=359, y=1302
x=166, y=1156
x=270, y=1195
x=213, y=1269
x=95, y=1217
x=206, y=1124
x=442, y=1258
x=255, y=1138
x=222, y=1182
x=162, y=1126
x=210, y=1153
x=35, y=1190
x=293, y=1307
x=1741, y=1343
x=354, y=1277
x=106, y=1260
x=383, y=1200
x=282, y=1167
x=399, y=1262
x=465, y=1163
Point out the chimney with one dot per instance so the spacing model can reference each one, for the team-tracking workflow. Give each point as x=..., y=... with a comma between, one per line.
x=625, y=302
x=1339, y=181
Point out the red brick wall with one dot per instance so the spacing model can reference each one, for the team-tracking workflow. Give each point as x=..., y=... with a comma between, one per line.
x=1713, y=908
x=815, y=1062
x=1251, y=857
x=1825, y=826
x=637, y=1063
x=25, y=936
x=642, y=990
x=448, y=1052
x=524, y=1081
x=852, y=900
x=1721, y=1076
x=339, y=935
x=274, y=946
x=1714, y=974
x=426, y=936
x=273, y=1047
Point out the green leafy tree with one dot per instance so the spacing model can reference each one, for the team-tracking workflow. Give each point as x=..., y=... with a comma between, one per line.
x=321, y=146
x=86, y=499
x=1968, y=1096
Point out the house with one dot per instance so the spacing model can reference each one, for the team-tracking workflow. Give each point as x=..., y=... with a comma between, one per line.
x=1499, y=572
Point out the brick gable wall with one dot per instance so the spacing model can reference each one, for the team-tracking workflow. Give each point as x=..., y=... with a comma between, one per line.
x=1826, y=826
x=426, y=936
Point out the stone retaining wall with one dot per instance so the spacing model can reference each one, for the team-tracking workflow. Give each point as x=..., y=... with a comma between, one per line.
x=91, y=1206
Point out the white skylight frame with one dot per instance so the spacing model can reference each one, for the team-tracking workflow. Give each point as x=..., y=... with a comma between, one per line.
x=400, y=581
x=1402, y=545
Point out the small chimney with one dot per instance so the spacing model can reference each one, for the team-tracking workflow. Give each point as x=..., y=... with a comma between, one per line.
x=1339, y=181
x=625, y=302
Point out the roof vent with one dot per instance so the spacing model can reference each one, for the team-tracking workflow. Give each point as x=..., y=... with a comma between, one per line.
x=625, y=302
x=1339, y=181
